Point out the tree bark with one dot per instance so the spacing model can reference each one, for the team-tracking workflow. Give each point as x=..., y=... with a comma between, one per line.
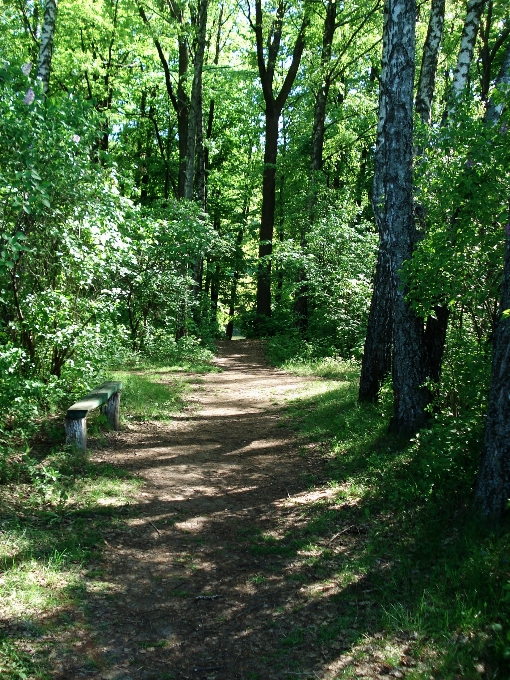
x=428, y=70
x=393, y=202
x=467, y=46
x=235, y=281
x=376, y=363
x=196, y=100
x=495, y=109
x=46, y=43
x=436, y=326
x=273, y=108
x=493, y=483
x=268, y=210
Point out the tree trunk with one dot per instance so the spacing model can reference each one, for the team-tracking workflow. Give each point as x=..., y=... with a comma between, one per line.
x=273, y=108
x=378, y=345
x=435, y=339
x=201, y=160
x=215, y=290
x=427, y=80
x=46, y=43
x=180, y=101
x=376, y=363
x=437, y=325
x=495, y=109
x=493, y=484
x=235, y=281
x=393, y=199
x=196, y=100
x=267, y=218
x=467, y=46
x=321, y=100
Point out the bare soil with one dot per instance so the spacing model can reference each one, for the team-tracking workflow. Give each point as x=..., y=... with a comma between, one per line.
x=184, y=592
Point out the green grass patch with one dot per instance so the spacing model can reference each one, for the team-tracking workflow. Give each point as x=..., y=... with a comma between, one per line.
x=56, y=513
x=396, y=534
x=151, y=395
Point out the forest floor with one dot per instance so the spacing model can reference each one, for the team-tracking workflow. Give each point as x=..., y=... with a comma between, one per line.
x=194, y=596
x=232, y=556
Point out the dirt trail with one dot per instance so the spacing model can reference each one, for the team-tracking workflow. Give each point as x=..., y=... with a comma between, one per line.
x=188, y=596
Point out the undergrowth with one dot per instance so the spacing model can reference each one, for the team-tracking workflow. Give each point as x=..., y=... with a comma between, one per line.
x=56, y=507
x=436, y=576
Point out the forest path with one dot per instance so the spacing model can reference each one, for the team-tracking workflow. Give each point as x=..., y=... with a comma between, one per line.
x=191, y=595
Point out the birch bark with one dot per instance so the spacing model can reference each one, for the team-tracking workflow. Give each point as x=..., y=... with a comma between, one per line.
x=428, y=70
x=466, y=50
x=394, y=211
x=46, y=43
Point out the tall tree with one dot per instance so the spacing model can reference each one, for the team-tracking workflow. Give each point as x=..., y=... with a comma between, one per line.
x=436, y=325
x=376, y=357
x=465, y=58
x=394, y=210
x=430, y=56
x=493, y=484
x=195, y=111
x=179, y=95
x=266, y=62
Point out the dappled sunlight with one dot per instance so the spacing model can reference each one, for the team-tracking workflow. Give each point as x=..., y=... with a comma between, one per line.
x=235, y=546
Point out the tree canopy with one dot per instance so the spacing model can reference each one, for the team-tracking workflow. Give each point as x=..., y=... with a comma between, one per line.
x=170, y=170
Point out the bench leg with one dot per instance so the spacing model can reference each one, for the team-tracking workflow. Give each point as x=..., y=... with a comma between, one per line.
x=76, y=433
x=111, y=411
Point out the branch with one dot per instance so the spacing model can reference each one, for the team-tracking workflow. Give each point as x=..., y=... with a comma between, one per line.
x=164, y=62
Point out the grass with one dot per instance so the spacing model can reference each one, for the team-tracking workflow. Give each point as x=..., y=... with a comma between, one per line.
x=55, y=516
x=387, y=545
x=151, y=395
x=396, y=536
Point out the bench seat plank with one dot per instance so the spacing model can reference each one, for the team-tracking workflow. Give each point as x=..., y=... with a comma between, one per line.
x=93, y=400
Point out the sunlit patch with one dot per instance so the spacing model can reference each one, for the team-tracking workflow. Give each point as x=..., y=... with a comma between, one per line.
x=309, y=497
x=107, y=501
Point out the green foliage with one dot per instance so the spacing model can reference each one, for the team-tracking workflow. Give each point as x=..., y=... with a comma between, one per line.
x=154, y=282
x=431, y=572
x=338, y=262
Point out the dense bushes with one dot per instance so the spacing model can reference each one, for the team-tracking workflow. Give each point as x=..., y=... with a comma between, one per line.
x=86, y=275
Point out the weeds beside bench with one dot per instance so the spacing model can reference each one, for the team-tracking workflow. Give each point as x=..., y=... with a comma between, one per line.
x=106, y=397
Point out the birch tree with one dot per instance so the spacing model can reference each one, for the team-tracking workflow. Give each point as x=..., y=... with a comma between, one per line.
x=393, y=206
x=465, y=58
x=46, y=43
x=376, y=357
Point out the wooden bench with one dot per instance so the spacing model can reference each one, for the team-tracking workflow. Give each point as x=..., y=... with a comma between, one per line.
x=107, y=397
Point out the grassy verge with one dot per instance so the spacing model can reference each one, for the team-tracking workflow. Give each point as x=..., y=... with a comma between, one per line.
x=419, y=587
x=56, y=513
